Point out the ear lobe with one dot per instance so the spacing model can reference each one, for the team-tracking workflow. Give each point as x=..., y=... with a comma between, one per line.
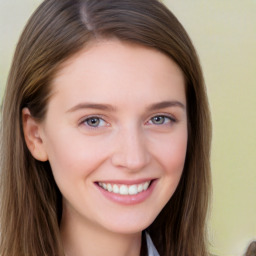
x=31, y=130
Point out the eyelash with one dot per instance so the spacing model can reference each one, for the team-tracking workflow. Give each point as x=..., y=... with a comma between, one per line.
x=167, y=121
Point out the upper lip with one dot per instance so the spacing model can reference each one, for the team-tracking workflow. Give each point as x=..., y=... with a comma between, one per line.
x=126, y=182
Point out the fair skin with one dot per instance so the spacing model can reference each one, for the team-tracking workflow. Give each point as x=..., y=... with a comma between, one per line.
x=116, y=120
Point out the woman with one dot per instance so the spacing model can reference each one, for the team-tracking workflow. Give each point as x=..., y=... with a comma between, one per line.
x=105, y=135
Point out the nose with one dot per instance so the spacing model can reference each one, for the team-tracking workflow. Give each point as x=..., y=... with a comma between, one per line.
x=130, y=150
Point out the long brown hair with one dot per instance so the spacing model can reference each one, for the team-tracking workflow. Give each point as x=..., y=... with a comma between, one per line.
x=31, y=207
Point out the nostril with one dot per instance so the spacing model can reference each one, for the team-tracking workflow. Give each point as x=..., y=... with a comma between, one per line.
x=130, y=160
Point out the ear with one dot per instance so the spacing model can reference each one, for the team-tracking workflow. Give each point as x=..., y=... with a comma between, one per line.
x=33, y=136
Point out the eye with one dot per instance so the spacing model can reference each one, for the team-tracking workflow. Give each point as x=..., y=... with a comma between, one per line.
x=94, y=122
x=161, y=119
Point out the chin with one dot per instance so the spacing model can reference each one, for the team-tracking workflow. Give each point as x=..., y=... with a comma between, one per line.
x=129, y=225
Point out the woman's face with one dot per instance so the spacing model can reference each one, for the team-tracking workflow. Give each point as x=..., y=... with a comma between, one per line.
x=115, y=134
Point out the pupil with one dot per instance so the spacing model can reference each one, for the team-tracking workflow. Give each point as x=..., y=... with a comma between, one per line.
x=94, y=121
x=158, y=119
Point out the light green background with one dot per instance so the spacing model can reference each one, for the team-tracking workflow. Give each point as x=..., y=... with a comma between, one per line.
x=224, y=33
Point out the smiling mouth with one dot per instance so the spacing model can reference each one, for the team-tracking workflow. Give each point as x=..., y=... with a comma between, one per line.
x=123, y=189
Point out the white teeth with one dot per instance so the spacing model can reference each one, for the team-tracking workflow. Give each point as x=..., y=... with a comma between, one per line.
x=125, y=189
x=116, y=189
x=140, y=188
x=133, y=190
x=145, y=186
x=109, y=188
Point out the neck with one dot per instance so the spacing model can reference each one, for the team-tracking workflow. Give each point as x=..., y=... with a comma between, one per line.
x=83, y=238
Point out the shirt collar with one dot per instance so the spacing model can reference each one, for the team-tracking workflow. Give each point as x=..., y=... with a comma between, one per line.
x=151, y=248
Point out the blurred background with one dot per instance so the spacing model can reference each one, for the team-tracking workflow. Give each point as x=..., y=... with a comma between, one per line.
x=224, y=33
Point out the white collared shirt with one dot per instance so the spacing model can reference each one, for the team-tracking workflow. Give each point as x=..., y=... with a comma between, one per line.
x=151, y=248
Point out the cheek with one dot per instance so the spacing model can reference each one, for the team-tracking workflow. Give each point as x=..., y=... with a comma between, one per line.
x=173, y=160
x=73, y=156
x=171, y=154
x=176, y=157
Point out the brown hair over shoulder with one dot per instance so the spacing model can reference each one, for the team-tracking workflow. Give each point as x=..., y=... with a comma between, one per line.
x=31, y=207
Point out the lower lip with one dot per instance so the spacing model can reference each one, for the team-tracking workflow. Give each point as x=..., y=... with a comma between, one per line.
x=128, y=199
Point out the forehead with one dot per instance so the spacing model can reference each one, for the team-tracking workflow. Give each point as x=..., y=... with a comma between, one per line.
x=111, y=68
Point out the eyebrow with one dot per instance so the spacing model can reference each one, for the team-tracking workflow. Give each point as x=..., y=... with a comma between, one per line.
x=105, y=107
x=166, y=104
x=108, y=107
